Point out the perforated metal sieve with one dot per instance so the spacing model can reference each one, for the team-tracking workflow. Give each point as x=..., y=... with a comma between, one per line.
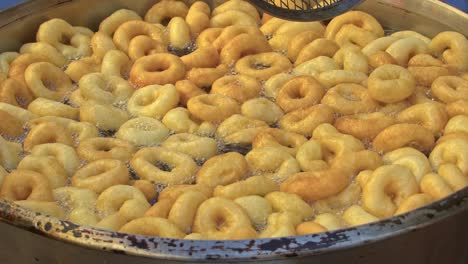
x=305, y=10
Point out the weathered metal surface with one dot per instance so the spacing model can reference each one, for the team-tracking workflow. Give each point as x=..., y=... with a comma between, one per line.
x=437, y=233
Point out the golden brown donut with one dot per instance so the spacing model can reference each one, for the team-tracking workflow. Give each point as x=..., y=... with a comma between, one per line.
x=255, y=185
x=387, y=188
x=152, y=226
x=401, y=135
x=390, y=83
x=349, y=98
x=146, y=187
x=26, y=185
x=380, y=58
x=172, y=192
x=212, y=107
x=157, y=69
x=239, y=87
x=239, y=129
x=164, y=10
x=263, y=65
x=357, y=18
x=208, y=36
x=47, y=80
x=228, y=33
x=304, y=121
x=365, y=125
x=459, y=107
x=205, y=77
x=141, y=46
x=101, y=174
x=203, y=57
x=274, y=137
x=179, y=33
x=316, y=185
x=79, y=68
x=198, y=17
x=184, y=209
x=92, y=149
x=47, y=132
x=10, y=126
x=450, y=89
x=21, y=63
x=425, y=69
x=131, y=29
x=243, y=45
x=187, y=90
x=15, y=93
x=298, y=42
x=316, y=48
x=232, y=17
x=429, y=115
x=452, y=46
x=309, y=227
x=235, y=224
x=161, y=165
x=48, y=166
x=299, y=92
x=161, y=208
x=222, y=169
x=238, y=5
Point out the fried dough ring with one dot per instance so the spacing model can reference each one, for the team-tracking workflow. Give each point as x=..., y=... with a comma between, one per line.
x=181, y=166
x=316, y=185
x=212, y=107
x=357, y=18
x=10, y=127
x=143, y=131
x=15, y=93
x=273, y=137
x=391, y=83
x=131, y=29
x=452, y=46
x=222, y=169
x=364, y=126
x=449, y=89
x=47, y=80
x=205, y=77
x=47, y=132
x=152, y=226
x=318, y=47
x=274, y=63
x=414, y=136
x=239, y=87
x=47, y=166
x=26, y=185
x=101, y=174
x=255, y=185
x=394, y=179
x=198, y=17
x=261, y=108
x=141, y=46
x=349, y=99
x=157, y=69
x=165, y=10
x=93, y=149
x=235, y=222
x=299, y=92
x=153, y=101
x=203, y=57
x=429, y=115
x=243, y=45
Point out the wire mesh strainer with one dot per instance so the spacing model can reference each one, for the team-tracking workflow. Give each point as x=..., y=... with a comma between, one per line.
x=305, y=10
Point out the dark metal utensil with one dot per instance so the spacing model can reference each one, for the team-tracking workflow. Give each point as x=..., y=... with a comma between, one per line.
x=305, y=10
